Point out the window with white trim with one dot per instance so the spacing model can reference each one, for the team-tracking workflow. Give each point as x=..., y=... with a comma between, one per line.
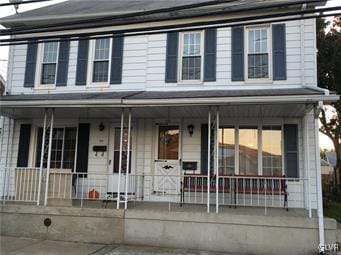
x=101, y=56
x=258, y=53
x=49, y=63
x=63, y=150
x=259, y=150
x=191, y=58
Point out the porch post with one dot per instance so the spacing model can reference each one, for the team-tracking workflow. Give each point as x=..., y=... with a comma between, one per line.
x=128, y=162
x=318, y=180
x=1, y=150
x=306, y=161
x=49, y=159
x=8, y=154
x=209, y=161
x=41, y=159
x=217, y=161
x=120, y=162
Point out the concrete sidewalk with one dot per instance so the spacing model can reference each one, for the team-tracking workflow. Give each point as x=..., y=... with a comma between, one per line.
x=27, y=246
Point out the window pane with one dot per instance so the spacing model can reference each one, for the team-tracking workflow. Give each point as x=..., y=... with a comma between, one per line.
x=272, y=151
x=102, y=49
x=191, y=68
x=168, y=142
x=50, y=52
x=124, y=150
x=258, y=66
x=248, y=151
x=100, y=71
x=192, y=44
x=48, y=74
x=226, y=151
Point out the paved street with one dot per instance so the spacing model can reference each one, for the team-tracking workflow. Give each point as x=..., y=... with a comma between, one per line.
x=28, y=246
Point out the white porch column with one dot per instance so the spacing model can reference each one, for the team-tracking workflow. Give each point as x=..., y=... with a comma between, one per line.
x=209, y=161
x=307, y=160
x=128, y=161
x=217, y=161
x=49, y=159
x=120, y=162
x=8, y=159
x=318, y=180
x=41, y=158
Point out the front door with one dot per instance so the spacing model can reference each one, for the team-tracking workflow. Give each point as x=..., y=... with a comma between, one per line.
x=167, y=163
x=114, y=156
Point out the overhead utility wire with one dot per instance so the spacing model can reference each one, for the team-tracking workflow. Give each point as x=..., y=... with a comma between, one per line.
x=23, y=2
x=216, y=23
x=59, y=26
x=158, y=31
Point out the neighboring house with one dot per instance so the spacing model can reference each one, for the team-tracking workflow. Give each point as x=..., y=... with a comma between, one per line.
x=327, y=175
x=332, y=160
x=178, y=103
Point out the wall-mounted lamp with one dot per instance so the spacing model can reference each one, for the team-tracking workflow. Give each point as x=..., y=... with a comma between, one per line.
x=101, y=126
x=190, y=129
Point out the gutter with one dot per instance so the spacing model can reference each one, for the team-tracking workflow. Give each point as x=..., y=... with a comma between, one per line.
x=126, y=102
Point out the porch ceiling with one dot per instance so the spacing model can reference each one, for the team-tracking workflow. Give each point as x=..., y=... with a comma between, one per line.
x=232, y=111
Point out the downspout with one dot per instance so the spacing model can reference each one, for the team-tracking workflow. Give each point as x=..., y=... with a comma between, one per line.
x=318, y=181
x=302, y=30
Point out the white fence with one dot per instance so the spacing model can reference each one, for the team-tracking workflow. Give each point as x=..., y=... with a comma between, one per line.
x=21, y=184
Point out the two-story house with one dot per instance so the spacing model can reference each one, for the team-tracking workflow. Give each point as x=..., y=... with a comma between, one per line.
x=192, y=104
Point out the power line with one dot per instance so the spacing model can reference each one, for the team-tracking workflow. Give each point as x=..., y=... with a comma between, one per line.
x=216, y=23
x=92, y=22
x=23, y=2
x=151, y=32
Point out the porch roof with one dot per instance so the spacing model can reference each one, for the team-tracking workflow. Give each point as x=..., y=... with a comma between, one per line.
x=126, y=98
x=146, y=104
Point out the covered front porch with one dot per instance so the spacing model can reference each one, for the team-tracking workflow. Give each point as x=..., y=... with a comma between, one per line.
x=259, y=153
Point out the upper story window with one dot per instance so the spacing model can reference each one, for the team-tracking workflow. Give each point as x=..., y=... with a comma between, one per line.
x=258, y=53
x=191, y=56
x=49, y=63
x=101, y=57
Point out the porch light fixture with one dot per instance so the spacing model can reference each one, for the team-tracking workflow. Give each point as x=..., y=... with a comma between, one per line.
x=190, y=129
x=101, y=126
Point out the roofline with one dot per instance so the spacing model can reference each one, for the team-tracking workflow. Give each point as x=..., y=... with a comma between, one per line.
x=112, y=103
x=12, y=20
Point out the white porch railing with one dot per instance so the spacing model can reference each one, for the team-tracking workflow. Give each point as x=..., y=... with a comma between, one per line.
x=21, y=184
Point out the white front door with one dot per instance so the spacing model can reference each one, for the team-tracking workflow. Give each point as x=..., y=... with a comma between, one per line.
x=167, y=163
x=114, y=156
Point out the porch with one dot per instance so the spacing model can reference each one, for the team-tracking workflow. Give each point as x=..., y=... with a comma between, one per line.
x=222, y=148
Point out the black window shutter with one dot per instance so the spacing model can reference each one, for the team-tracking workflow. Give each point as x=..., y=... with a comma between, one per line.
x=237, y=53
x=204, y=148
x=24, y=145
x=63, y=63
x=82, y=62
x=291, y=150
x=172, y=57
x=116, y=60
x=30, y=69
x=279, y=52
x=83, y=147
x=210, y=54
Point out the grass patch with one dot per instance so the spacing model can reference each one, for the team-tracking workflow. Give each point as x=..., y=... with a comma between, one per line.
x=333, y=211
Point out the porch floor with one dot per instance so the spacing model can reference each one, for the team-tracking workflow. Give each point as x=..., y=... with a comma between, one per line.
x=175, y=207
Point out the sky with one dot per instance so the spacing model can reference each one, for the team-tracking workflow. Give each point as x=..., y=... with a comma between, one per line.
x=325, y=142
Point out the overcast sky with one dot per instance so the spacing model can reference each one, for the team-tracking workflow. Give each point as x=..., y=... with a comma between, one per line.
x=9, y=10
